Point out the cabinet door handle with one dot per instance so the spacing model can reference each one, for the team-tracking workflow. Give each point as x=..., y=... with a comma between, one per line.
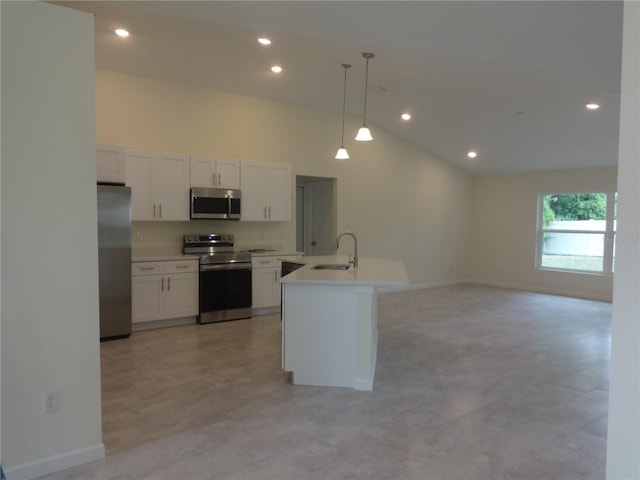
x=275, y=276
x=162, y=284
x=154, y=210
x=160, y=209
x=265, y=212
x=219, y=177
x=168, y=284
x=182, y=266
x=213, y=179
x=147, y=268
x=269, y=212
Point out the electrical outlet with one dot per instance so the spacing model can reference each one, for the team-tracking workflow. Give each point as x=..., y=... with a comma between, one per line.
x=49, y=402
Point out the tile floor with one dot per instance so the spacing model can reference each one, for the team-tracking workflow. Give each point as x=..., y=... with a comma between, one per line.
x=472, y=382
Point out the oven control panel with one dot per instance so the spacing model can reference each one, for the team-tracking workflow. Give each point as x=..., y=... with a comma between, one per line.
x=209, y=238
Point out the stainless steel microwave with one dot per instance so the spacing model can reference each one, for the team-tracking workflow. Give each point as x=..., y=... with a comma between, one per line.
x=215, y=203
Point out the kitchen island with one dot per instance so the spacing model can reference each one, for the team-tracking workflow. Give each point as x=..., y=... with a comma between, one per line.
x=329, y=320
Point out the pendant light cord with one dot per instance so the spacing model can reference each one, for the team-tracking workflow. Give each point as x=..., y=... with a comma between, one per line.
x=366, y=82
x=344, y=100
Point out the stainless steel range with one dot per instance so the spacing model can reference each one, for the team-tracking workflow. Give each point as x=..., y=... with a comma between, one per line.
x=225, y=277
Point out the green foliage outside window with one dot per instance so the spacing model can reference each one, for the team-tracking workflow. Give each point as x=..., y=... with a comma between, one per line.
x=548, y=215
x=575, y=206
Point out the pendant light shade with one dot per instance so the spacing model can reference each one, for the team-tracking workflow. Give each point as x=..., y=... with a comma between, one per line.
x=342, y=153
x=364, y=134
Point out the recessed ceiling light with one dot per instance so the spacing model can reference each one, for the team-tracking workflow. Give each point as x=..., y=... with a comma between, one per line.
x=264, y=41
x=121, y=32
x=592, y=106
x=472, y=154
x=405, y=116
x=276, y=69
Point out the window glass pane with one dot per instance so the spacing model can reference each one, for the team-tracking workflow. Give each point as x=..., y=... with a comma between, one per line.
x=575, y=211
x=573, y=251
x=613, y=260
x=615, y=211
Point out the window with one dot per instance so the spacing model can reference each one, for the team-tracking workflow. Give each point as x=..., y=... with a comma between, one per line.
x=576, y=231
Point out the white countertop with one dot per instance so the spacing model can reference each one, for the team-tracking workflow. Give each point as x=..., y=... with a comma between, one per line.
x=370, y=271
x=162, y=254
x=276, y=253
x=163, y=257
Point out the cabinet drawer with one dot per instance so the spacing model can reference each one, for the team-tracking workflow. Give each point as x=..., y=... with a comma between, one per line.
x=264, y=262
x=147, y=268
x=181, y=266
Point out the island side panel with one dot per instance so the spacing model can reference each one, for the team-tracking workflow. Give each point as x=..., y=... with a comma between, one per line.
x=319, y=333
x=367, y=336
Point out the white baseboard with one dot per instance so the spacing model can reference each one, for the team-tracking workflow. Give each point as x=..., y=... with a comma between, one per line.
x=513, y=286
x=548, y=291
x=169, y=322
x=367, y=384
x=421, y=286
x=363, y=385
x=265, y=311
x=55, y=463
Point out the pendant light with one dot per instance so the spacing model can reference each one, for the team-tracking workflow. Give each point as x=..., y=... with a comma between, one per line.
x=364, y=135
x=342, y=152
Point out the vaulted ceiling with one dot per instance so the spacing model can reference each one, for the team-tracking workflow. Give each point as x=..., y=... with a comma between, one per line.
x=509, y=80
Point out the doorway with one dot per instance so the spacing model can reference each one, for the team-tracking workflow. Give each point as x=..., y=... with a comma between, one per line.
x=316, y=215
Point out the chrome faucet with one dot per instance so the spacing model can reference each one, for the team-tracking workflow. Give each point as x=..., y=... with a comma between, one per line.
x=355, y=247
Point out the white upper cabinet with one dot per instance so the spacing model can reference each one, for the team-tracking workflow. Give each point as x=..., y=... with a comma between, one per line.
x=278, y=181
x=252, y=176
x=111, y=161
x=266, y=191
x=215, y=172
x=172, y=187
x=141, y=179
x=159, y=185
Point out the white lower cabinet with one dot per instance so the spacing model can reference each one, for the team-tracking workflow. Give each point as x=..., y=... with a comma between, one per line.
x=182, y=295
x=265, y=282
x=164, y=290
x=147, y=298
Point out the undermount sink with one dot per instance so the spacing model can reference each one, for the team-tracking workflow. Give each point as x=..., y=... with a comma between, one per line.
x=332, y=266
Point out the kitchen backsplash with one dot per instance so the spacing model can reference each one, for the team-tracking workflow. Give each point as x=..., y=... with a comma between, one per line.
x=169, y=235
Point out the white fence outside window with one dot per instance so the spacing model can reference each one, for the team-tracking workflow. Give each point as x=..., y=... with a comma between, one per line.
x=583, y=242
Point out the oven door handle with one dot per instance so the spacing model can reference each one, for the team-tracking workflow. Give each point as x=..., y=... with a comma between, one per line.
x=225, y=266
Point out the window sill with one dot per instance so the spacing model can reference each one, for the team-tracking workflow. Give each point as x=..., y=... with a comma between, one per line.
x=579, y=272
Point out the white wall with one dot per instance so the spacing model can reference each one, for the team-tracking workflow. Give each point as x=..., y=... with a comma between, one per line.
x=504, y=230
x=401, y=202
x=623, y=439
x=50, y=335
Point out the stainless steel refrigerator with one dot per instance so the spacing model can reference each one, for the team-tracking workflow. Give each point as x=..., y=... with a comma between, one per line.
x=114, y=260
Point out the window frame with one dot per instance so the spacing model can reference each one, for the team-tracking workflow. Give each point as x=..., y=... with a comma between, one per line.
x=609, y=234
